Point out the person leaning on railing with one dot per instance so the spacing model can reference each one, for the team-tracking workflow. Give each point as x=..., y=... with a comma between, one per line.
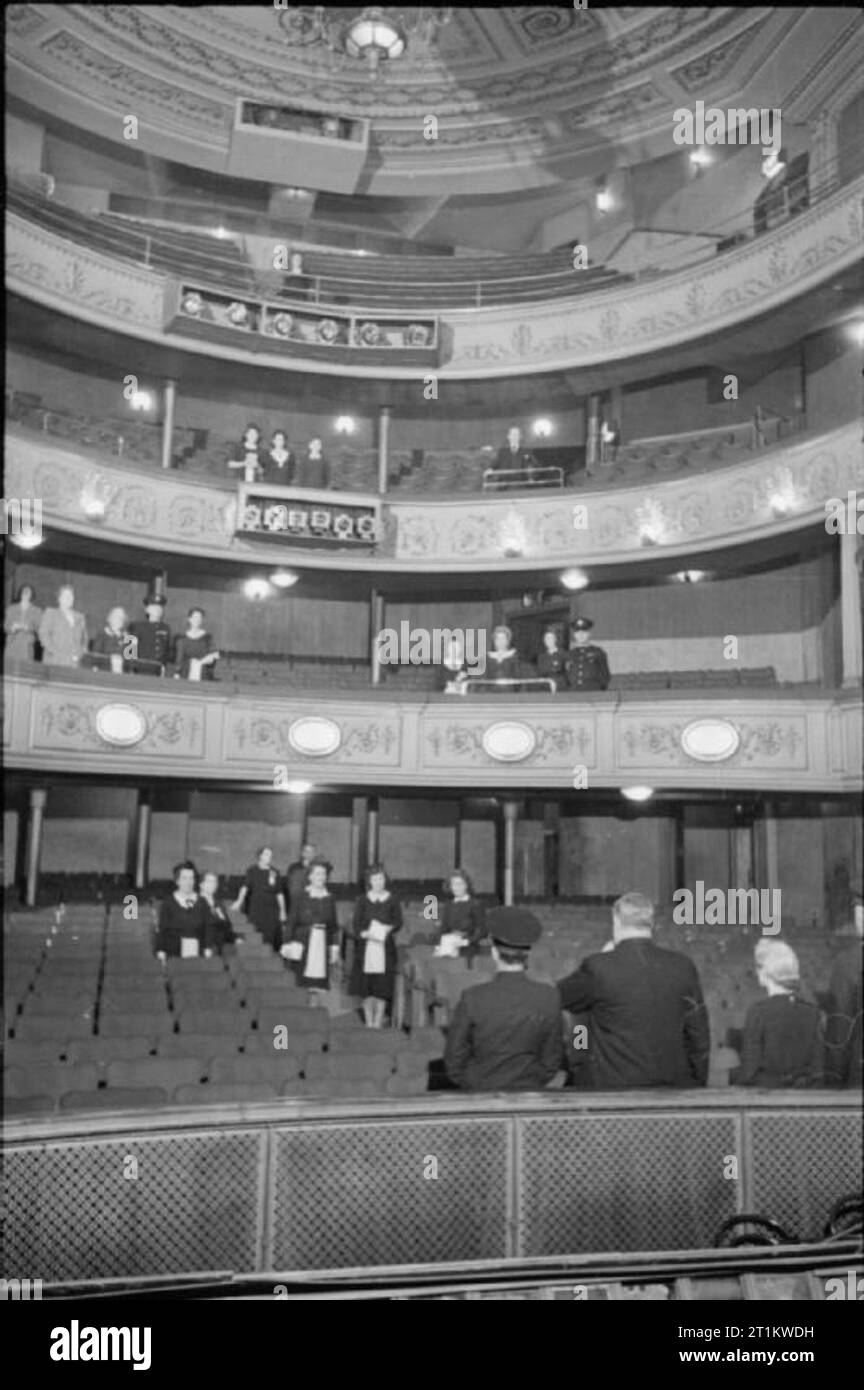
x=512, y=455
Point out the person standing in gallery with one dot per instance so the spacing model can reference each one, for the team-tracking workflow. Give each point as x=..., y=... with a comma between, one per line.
x=377, y=919
x=182, y=919
x=313, y=932
x=261, y=895
x=63, y=631
x=218, y=932
x=462, y=915
x=21, y=625
x=295, y=874
x=195, y=653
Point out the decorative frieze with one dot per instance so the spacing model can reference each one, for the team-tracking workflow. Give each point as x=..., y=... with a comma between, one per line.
x=138, y=727
x=778, y=490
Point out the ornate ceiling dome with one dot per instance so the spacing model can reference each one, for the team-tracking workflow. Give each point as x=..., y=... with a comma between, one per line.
x=523, y=96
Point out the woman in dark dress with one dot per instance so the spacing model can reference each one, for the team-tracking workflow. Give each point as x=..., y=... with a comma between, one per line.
x=195, y=654
x=503, y=663
x=21, y=625
x=182, y=917
x=462, y=914
x=377, y=918
x=550, y=662
x=262, y=896
x=218, y=932
x=313, y=932
x=782, y=1041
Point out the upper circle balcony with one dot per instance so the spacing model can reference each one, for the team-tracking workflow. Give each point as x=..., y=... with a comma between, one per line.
x=551, y=319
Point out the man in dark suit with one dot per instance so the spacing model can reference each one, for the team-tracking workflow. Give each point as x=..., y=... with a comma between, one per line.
x=506, y=1035
x=647, y=1025
x=512, y=455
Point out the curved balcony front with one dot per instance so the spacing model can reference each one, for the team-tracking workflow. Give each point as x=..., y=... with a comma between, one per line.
x=137, y=727
x=783, y=489
x=586, y=331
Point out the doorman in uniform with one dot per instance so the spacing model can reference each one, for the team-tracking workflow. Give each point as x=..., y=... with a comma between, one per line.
x=585, y=665
x=506, y=1035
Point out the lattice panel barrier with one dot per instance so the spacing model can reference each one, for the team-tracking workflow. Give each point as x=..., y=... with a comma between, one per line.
x=367, y=1194
x=801, y=1163
x=394, y=1190
x=195, y=1204
x=624, y=1182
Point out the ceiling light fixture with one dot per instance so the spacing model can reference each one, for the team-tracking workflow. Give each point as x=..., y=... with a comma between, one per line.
x=376, y=34
x=257, y=589
x=637, y=793
x=284, y=579
x=574, y=579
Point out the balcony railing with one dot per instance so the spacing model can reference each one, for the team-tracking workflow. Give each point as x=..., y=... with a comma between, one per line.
x=420, y=283
x=199, y=452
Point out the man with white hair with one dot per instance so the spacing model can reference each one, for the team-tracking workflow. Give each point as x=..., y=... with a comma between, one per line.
x=781, y=1043
x=646, y=1023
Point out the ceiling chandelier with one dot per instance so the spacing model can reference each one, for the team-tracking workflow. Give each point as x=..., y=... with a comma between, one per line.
x=371, y=34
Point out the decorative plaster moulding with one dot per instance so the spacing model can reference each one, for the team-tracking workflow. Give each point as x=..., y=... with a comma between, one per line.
x=509, y=742
x=698, y=513
x=710, y=740
x=314, y=736
x=120, y=725
x=586, y=331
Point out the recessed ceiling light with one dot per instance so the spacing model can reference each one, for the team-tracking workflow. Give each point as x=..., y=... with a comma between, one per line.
x=298, y=787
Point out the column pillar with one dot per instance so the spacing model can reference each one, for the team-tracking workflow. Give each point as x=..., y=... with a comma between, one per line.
x=372, y=831
x=37, y=799
x=168, y=423
x=850, y=609
x=384, y=413
x=143, y=824
x=359, y=836
x=376, y=623
x=511, y=813
x=592, y=434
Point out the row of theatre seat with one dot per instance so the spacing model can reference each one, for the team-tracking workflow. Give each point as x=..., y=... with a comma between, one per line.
x=93, y=1021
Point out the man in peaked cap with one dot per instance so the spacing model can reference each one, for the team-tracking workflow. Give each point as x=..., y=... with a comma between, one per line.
x=152, y=638
x=506, y=1035
x=585, y=665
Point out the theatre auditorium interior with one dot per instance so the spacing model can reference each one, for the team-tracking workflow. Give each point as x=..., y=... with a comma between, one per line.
x=467, y=402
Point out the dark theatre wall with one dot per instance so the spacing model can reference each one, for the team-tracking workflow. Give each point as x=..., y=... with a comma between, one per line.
x=825, y=377
x=90, y=829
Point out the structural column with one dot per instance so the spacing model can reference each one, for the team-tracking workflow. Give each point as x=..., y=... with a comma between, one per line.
x=511, y=813
x=168, y=423
x=376, y=623
x=850, y=609
x=592, y=434
x=384, y=413
x=38, y=798
x=143, y=824
x=372, y=829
